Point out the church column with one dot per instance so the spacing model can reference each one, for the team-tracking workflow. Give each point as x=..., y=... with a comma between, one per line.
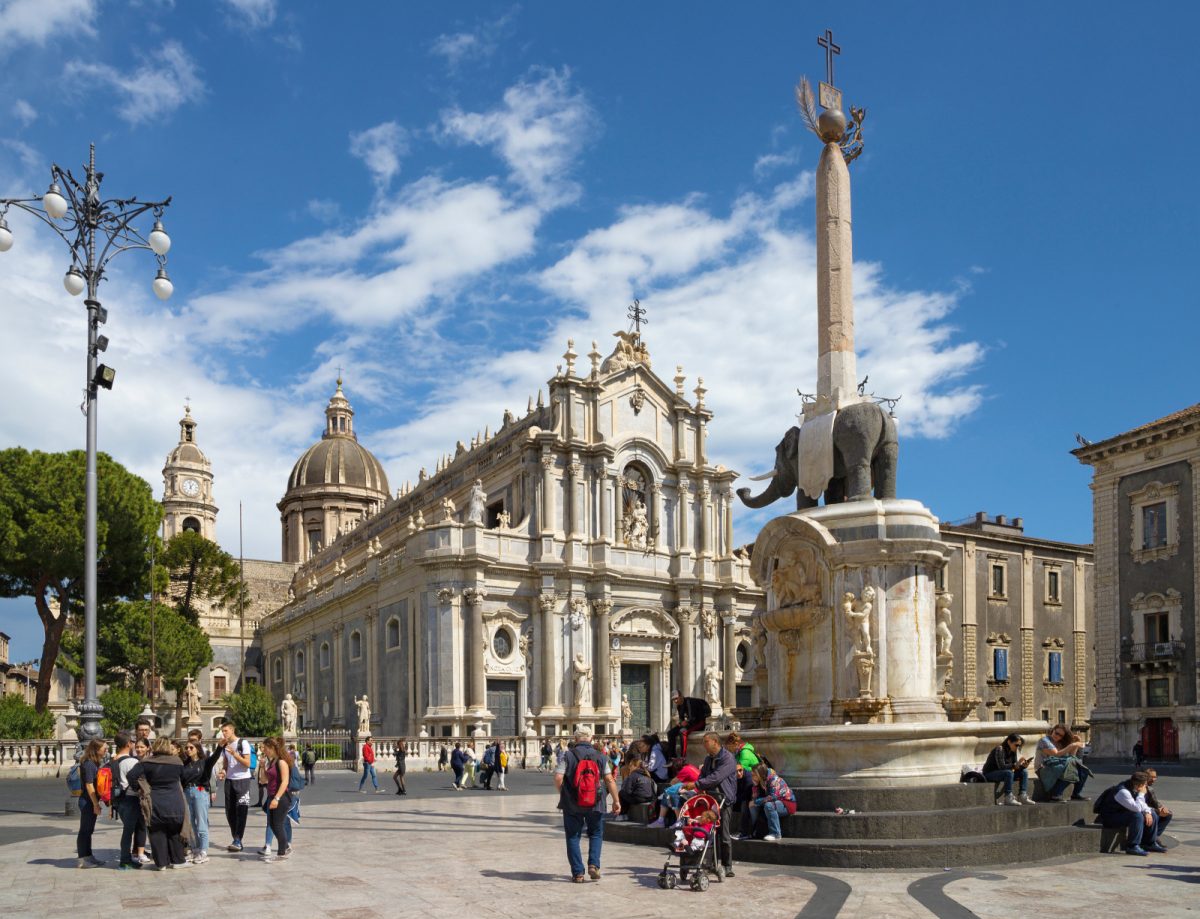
x=605, y=503
x=727, y=500
x=575, y=469
x=706, y=510
x=550, y=700
x=603, y=678
x=373, y=675
x=339, y=708
x=685, y=514
x=548, y=523
x=311, y=669
x=729, y=685
x=476, y=677
x=687, y=620
x=287, y=667
x=656, y=498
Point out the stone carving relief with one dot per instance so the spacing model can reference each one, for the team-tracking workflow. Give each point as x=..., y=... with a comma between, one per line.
x=795, y=581
x=645, y=622
x=445, y=595
x=629, y=352
x=708, y=621
x=578, y=615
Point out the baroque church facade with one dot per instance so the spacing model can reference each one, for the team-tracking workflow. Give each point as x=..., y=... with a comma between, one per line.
x=573, y=567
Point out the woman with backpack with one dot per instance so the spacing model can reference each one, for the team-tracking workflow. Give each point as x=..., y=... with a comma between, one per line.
x=279, y=796
x=197, y=782
x=163, y=773
x=295, y=786
x=89, y=803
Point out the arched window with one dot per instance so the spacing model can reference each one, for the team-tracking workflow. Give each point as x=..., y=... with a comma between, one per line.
x=277, y=670
x=299, y=663
x=355, y=645
x=324, y=655
x=393, y=633
x=191, y=524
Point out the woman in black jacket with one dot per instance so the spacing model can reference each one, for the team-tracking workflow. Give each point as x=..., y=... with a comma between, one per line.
x=163, y=772
x=398, y=775
x=638, y=787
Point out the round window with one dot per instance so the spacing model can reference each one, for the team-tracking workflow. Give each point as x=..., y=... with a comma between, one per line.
x=743, y=656
x=502, y=644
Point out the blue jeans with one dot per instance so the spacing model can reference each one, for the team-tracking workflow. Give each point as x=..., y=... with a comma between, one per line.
x=130, y=812
x=573, y=824
x=293, y=813
x=197, y=802
x=773, y=810
x=1005, y=776
x=1135, y=827
x=1061, y=785
x=458, y=776
x=368, y=770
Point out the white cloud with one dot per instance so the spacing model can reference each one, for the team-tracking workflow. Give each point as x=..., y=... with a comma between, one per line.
x=456, y=47
x=538, y=131
x=769, y=162
x=24, y=112
x=34, y=21
x=168, y=80
x=324, y=209
x=380, y=148
x=253, y=14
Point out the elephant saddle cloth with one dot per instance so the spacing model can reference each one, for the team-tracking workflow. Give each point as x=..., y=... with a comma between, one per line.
x=814, y=455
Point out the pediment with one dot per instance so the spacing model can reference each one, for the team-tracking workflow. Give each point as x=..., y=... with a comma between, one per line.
x=644, y=621
x=505, y=614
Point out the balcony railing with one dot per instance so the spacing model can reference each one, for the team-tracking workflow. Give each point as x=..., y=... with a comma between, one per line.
x=1151, y=651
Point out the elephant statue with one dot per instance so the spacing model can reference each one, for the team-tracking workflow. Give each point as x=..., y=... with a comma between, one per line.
x=865, y=450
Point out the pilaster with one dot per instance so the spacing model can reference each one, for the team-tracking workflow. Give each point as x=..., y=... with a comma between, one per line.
x=339, y=694
x=476, y=647
x=729, y=668
x=602, y=677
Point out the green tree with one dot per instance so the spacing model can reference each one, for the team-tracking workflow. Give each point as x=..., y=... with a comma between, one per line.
x=42, y=531
x=21, y=721
x=129, y=644
x=200, y=570
x=121, y=709
x=252, y=711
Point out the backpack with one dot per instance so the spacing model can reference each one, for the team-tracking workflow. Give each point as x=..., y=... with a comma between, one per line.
x=74, y=782
x=295, y=779
x=104, y=783
x=309, y=758
x=585, y=781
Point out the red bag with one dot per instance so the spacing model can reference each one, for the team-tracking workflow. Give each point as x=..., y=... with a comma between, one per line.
x=104, y=784
x=587, y=782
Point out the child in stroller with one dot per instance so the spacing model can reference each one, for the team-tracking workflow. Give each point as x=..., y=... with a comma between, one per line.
x=695, y=844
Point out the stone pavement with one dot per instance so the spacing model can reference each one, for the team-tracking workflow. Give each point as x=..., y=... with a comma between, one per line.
x=439, y=852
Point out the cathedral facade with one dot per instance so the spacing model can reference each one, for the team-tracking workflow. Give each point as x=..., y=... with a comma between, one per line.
x=573, y=567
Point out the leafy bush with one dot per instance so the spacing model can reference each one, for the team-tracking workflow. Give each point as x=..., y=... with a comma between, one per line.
x=121, y=709
x=252, y=711
x=327, y=751
x=21, y=721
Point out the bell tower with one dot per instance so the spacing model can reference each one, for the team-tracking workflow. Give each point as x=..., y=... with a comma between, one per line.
x=187, y=485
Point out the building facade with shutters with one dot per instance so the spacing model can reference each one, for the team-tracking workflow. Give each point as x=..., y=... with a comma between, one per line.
x=1145, y=505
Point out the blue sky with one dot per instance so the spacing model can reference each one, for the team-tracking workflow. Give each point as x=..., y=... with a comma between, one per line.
x=436, y=197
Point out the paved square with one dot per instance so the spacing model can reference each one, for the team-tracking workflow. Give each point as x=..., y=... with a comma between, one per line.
x=438, y=852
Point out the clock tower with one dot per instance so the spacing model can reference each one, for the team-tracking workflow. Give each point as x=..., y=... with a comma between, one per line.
x=187, y=485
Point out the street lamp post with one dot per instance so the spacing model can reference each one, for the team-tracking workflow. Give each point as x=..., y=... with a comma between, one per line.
x=95, y=230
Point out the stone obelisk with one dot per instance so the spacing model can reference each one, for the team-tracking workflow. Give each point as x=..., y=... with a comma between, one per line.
x=836, y=376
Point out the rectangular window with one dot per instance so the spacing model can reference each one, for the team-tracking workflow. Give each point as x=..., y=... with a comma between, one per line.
x=743, y=696
x=1052, y=588
x=1158, y=628
x=998, y=580
x=1158, y=693
x=219, y=686
x=1054, y=667
x=1062, y=716
x=314, y=542
x=998, y=715
x=1154, y=525
x=1046, y=715
x=1000, y=665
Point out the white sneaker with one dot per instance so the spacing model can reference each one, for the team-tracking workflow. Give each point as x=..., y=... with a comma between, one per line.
x=265, y=850
x=183, y=864
x=1025, y=799
x=200, y=859
x=1010, y=801
x=770, y=838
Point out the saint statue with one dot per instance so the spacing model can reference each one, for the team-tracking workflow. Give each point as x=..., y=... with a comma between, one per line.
x=287, y=714
x=477, y=505
x=583, y=680
x=712, y=683
x=626, y=713
x=192, y=699
x=363, y=707
x=639, y=526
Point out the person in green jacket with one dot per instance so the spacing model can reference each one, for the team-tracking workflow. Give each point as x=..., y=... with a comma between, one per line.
x=747, y=759
x=743, y=752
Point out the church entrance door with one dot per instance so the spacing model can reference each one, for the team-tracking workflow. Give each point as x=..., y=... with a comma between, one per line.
x=1160, y=739
x=502, y=702
x=635, y=683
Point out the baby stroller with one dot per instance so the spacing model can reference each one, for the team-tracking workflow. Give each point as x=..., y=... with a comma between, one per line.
x=697, y=862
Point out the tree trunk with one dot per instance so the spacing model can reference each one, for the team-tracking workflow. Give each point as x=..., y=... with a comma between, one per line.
x=54, y=626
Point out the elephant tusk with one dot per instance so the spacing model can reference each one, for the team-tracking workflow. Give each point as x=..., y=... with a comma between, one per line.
x=763, y=477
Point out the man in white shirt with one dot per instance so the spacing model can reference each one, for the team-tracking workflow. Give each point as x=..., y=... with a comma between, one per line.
x=1125, y=806
x=235, y=769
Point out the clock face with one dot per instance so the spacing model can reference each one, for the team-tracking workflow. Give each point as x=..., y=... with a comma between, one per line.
x=190, y=487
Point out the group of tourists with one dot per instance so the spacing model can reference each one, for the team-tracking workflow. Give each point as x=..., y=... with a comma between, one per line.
x=162, y=789
x=472, y=770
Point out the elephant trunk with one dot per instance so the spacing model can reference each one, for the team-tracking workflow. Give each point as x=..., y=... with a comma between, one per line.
x=770, y=495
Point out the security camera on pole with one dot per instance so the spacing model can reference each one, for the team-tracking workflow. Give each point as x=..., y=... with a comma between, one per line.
x=95, y=230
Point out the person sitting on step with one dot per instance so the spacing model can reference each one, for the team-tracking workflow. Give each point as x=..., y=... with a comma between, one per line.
x=672, y=796
x=1058, y=765
x=1124, y=806
x=773, y=798
x=636, y=788
x=691, y=715
x=1004, y=764
x=1164, y=815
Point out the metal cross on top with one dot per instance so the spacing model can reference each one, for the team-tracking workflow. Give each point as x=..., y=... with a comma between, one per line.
x=637, y=316
x=826, y=42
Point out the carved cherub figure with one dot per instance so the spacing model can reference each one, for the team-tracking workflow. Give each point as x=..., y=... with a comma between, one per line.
x=858, y=612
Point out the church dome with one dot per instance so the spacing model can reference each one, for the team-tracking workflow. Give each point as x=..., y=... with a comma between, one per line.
x=338, y=459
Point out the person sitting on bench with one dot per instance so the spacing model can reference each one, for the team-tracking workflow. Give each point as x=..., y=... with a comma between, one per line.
x=1005, y=764
x=1124, y=807
x=691, y=715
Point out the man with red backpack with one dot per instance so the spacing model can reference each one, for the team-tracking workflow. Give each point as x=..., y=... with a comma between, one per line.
x=578, y=778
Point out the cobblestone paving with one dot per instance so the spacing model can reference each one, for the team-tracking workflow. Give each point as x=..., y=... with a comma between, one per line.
x=438, y=852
